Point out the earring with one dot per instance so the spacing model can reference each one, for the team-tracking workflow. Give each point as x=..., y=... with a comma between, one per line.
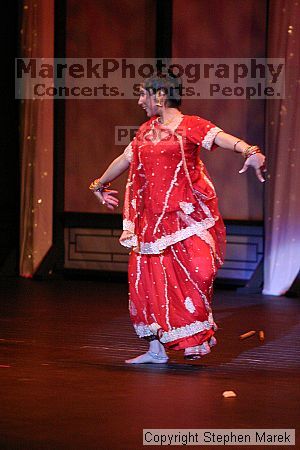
x=159, y=95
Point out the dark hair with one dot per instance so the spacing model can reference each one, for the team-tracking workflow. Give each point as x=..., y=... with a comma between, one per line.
x=170, y=85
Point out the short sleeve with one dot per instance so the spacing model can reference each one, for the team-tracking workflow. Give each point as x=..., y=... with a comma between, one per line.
x=202, y=132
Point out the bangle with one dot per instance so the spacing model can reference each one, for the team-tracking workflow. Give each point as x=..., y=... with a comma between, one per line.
x=251, y=151
x=234, y=147
x=97, y=186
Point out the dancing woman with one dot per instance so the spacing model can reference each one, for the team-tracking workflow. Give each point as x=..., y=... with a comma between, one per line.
x=172, y=223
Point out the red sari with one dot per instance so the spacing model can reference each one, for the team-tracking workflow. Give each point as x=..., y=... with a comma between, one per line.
x=176, y=231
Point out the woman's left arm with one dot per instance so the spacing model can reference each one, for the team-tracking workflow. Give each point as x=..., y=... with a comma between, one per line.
x=253, y=155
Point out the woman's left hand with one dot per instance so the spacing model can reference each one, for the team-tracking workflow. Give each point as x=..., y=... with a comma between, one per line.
x=257, y=161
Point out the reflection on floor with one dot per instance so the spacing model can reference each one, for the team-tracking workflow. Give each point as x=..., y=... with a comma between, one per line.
x=64, y=383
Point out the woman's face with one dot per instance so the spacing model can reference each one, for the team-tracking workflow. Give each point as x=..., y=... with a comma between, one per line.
x=148, y=102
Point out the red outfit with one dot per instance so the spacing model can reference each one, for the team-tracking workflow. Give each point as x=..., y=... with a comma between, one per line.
x=177, y=233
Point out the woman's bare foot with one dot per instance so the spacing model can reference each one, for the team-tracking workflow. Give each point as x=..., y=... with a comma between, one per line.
x=155, y=355
x=148, y=357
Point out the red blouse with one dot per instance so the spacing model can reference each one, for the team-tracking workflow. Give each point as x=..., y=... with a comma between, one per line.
x=169, y=195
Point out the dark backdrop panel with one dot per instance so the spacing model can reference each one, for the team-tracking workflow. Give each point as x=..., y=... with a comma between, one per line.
x=226, y=29
x=9, y=167
x=100, y=29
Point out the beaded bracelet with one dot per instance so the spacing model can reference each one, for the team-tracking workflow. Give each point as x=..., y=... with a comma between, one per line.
x=251, y=150
x=97, y=186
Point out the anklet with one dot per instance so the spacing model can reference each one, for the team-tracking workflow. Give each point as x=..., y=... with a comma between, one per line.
x=156, y=355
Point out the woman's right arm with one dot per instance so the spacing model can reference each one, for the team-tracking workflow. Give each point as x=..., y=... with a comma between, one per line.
x=114, y=170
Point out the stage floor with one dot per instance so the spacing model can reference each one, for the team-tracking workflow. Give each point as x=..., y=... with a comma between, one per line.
x=64, y=383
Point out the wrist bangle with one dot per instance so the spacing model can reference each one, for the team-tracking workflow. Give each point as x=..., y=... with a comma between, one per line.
x=234, y=147
x=251, y=150
x=97, y=186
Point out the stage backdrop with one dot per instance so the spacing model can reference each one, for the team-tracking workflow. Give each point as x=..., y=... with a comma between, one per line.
x=215, y=29
x=123, y=29
x=106, y=29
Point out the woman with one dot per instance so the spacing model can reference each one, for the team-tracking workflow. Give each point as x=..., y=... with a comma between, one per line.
x=171, y=223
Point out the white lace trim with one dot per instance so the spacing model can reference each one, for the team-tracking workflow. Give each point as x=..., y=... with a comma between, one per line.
x=156, y=247
x=138, y=273
x=205, y=208
x=132, y=308
x=203, y=234
x=209, y=138
x=187, y=330
x=154, y=327
x=186, y=207
x=165, y=241
x=132, y=240
x=188, y=303
x=128, y=152
x=209, y=183
x=184, y=160
x=161, y=258
x=145, y=313
x=143, y=330
x=128, y=225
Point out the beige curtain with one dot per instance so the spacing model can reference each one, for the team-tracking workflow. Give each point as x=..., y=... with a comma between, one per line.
x=282, y=247
x=36, y=130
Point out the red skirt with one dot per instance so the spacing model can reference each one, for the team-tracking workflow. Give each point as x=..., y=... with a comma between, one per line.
x=172, y=292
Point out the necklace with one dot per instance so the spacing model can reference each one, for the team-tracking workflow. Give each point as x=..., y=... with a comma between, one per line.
x=167, y=122
x=159, y=134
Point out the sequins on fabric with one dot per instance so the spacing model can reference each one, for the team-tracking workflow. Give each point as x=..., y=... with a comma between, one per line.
x=156, y=247
x=175, y=230
x=188, y=303
x=186, y=207
x=143, y=330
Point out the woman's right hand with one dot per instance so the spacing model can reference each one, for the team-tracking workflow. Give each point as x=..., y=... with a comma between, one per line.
x=108, y=198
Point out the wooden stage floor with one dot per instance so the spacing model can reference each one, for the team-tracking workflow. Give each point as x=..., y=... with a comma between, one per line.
x=64, y=383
